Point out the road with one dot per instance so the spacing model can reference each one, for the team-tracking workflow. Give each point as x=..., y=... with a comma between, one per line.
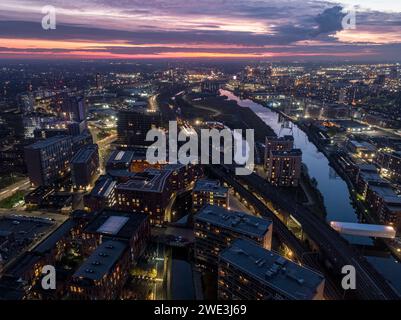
x=10, y=190
x=104, y=145
x=153, y=105
x=370, y=284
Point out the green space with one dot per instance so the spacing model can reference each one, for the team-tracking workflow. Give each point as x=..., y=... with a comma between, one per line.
x=12, y=201
x=216, y=108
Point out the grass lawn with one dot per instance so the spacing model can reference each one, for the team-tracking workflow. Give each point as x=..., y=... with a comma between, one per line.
x=10, y=202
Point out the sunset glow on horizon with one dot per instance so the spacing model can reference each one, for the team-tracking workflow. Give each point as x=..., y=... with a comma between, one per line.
x=179, y=29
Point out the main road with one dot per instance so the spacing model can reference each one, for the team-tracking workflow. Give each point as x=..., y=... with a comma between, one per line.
x=10, y=190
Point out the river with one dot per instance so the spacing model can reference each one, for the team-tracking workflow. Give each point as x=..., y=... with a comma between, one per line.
x=333, y=188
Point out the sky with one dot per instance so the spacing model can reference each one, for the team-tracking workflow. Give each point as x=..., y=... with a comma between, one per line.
x=278, y=30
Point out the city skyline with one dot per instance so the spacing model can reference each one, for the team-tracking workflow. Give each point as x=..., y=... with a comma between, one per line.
x=288, y=30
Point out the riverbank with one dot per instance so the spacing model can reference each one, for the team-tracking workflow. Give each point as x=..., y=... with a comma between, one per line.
x=333, y=186
x=232, y=115
x=363, y=212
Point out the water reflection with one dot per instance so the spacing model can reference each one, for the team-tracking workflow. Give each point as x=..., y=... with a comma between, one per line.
x=334, y=189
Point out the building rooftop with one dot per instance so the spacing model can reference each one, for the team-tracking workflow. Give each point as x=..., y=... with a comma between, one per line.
x=363, y=145
x=233, y=220
x=293, y=152
x=120, y=158
x=367, y=167
x=50, y=242
x=273, y=270
x=40, y=192
x=118, y=224
x=369, y=176
x=103, y=187
x=84, y=154
x=101, y=261
x=284, y=138
x=148, y=181
x=387, y=193
x=123, y=158
x=210, y=186
x=48, y=142
x=26, y=231
x=143, y=110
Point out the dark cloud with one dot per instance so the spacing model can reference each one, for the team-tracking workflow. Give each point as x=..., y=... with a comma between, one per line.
x=330, y=20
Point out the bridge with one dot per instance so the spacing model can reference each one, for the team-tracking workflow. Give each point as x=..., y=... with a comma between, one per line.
x=370, y=284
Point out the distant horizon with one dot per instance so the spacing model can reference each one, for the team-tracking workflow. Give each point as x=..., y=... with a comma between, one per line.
x=207, y=29
x=199, y=60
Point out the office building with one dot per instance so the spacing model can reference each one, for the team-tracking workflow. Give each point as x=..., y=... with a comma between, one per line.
x=49, y=160
x=249, y=272
x=103, y=274
x=134, y=124
x=209, y=192
x=216, y=228
x=285, y=168
x=84, y=166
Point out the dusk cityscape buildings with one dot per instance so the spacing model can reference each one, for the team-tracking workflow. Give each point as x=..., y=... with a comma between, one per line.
x=82, y=196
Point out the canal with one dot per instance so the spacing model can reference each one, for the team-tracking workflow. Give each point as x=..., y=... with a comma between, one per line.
x=334, y=189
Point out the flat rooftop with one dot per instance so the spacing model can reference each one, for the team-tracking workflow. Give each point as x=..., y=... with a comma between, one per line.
x=103, y=187
x=387, y=193
x=293, y=152
x=210, y=186
x=116, y=223
x=61, y=232
x=143, y=110
x=101, y=261
x=364, y=144
x=367, y=167
x=371, y=177
x=279, y=139
x=48, y=142
x=148, y=181
x=273, y=270
x=234, y=220
x=119, y=157
x=84, y=154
